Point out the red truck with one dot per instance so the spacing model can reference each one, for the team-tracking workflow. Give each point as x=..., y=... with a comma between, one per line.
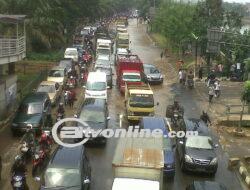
x=129, y=70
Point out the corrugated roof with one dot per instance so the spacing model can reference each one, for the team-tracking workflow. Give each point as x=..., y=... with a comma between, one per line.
x=12, y=18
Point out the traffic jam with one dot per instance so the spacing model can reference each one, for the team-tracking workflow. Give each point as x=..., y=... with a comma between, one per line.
x=103, y=84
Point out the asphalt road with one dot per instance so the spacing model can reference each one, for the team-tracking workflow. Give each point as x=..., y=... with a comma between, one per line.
x=101, y=157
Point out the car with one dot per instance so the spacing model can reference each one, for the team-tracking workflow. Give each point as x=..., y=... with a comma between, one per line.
x=169, y=155
x=68, y=168
x=57, y=74
x=96, y=85
x=206, y=185
x=53, y=89
x=71, y=53
x=66, y=63
x=152, y=74
x=197, y=153
x=102, y=63
x=95, y=113
x=109, y=74
x=33, y=111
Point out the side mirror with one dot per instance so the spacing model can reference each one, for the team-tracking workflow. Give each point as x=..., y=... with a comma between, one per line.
x=86, y=181
x=108, y=118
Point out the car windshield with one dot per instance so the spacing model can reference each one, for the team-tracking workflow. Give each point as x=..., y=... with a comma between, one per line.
x=46, y=88
x=92, y=116
x=65, y=64
x=141, y=100
x=123, y=41
x=103, y=51
x=102, y=57
x=102, y=69
x=70, y=53
x=61, y=177
x=151, y=70
x=131, y=77
x=199, y=142
x=33, y=108
x=56, y=73
x=96, y=86
x=103, y=62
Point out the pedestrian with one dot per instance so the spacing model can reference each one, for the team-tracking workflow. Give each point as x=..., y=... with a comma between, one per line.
x=180, y=75
x=211, y=93
x=161, y=55
x=71, y=98
x=1, y=167
x=205, y=117
x=200, y=73
x=166, y=52
x=184, y=76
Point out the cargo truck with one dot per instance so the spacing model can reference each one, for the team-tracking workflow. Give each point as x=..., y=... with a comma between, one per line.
x=129, y=70
x=139, y=101
x=138, y=164
x=122, y=40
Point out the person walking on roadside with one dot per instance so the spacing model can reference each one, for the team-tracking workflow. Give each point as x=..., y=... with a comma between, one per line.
x=200, y=73
x=211, y=93
x=161, y=55
x=180, y=75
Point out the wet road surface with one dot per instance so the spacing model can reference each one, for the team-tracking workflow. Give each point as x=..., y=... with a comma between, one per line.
x=101, y=157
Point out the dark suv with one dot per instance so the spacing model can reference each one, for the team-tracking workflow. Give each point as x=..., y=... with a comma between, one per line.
x=197, y=153
x=34, y=110
x=68, y=169
x=95, y=113
x=206, y=185
x=169, y=155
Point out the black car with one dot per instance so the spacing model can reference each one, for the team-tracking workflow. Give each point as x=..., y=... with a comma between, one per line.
x=206, y=185
x=95, y=113
x=109, y=74
x=66, y=63
x=68, y=169
x=152, y=74
x=34, y=110
x=197, y=153
x=153, y=123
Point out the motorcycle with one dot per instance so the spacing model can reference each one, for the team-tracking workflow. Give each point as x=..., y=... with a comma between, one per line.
x=18, y=181
x=39, y=160
x=190, y=83
x=27, y=150
x=71, y=83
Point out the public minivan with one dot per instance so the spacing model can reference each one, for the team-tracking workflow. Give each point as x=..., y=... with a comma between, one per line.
x=96, y=86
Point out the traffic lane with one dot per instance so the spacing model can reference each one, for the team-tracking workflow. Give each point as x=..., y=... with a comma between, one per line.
x=101, y=156
x=10, y=147
x=188, y=98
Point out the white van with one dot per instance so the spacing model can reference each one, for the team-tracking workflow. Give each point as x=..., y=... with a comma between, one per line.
x=71, y=53
x=96, y=86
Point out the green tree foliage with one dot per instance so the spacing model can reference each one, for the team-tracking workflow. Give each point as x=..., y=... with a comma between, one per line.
x=246, y=92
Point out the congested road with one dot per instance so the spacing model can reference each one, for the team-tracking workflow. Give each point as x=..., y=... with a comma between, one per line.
x=101, y=157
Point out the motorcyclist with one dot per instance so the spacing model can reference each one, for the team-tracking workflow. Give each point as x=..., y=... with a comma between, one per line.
x=177, y=107
x=190, y=75
x=61, y=109
x=18, y=166
x=211, y=78
x=204, y=117
x=44, y=141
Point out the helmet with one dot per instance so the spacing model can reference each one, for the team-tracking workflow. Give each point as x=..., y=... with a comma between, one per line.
x=43, y=137
x=18, y=158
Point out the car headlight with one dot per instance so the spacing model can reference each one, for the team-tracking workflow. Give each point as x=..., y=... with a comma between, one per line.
x=214, y=161
x=14, y=124
x=151, y=114
x=131, y=113
x=188, y=159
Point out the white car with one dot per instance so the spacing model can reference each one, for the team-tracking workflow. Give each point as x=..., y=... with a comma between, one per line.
x=96, y=85
x=71, y=53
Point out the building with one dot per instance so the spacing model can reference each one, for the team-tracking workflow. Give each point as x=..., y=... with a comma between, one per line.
x=12, y=49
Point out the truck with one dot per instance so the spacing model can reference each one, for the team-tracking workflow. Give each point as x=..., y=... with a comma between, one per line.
x=129, y=70
x=139, y=101
x=104, y=46
x=138, y=164
x=122, y=40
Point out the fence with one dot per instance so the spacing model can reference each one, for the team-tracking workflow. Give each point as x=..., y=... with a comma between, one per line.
x=12, y=46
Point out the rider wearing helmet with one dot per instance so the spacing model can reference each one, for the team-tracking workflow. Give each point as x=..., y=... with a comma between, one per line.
x=19, y=165
x=44, y=141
